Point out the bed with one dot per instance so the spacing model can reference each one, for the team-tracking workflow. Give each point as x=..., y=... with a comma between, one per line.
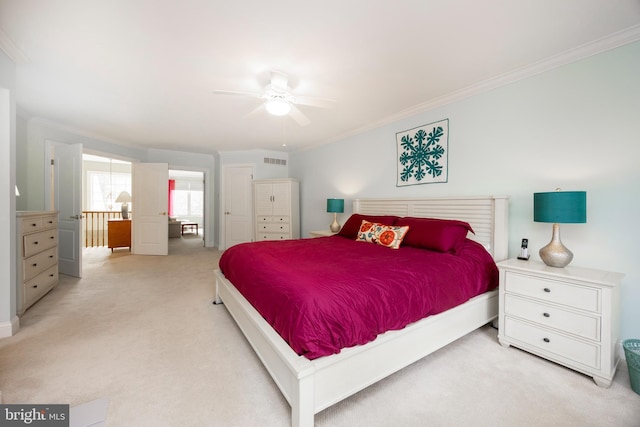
x=313, y=384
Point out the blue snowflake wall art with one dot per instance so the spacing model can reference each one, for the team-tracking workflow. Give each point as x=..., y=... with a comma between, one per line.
x=423, y=154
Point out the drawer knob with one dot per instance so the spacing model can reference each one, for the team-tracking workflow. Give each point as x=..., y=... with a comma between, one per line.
x=546, y=340
x=34, y=286
x=51, y=237
x=547, y=290
x=33, y=225
x=546, y=314
x=35, y=243
x=34, y=265
x=51, y=275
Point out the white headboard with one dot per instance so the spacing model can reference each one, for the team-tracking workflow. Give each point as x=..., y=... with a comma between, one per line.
x=488, y=216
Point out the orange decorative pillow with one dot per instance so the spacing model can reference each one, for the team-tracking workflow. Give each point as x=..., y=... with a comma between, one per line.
x=380, y=234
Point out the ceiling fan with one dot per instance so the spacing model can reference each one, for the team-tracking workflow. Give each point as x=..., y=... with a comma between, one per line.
x=279, y=100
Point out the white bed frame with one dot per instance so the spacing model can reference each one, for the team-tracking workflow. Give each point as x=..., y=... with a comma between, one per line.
x=313, y=385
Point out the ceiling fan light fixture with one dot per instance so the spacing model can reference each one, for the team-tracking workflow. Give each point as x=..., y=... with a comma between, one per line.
x=278, y=107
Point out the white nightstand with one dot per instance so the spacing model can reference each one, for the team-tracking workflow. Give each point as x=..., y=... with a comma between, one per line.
x=321, y=233
x=568, y=315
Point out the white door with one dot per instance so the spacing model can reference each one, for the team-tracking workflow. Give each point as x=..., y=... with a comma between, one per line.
x=64, y=190
x=149, y=206
x=238, y=218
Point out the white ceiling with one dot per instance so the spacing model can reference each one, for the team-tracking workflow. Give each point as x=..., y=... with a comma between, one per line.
x=143, y=72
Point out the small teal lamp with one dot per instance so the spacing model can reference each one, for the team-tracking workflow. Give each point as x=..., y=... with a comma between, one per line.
x=559, y=207
x=335, y=206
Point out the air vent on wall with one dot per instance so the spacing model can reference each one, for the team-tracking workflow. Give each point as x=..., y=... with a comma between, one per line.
x=271, y=161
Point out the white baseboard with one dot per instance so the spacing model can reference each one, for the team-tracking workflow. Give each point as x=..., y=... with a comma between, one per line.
x=9, y=329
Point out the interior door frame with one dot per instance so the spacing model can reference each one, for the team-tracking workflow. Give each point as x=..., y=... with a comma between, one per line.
x=207, y=236
x=222, y=243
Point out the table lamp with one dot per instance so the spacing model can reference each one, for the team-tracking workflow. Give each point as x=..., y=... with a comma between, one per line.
x=335, y=206
x=124, y=198
x=559, y=207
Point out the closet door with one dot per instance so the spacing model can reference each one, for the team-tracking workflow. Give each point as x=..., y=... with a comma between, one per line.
x=263, y=198
x=281, y=193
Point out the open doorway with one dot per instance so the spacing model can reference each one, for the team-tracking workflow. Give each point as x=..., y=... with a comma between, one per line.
x=186, y=205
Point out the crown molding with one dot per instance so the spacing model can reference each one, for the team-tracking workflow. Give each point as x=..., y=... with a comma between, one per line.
x=9, y=47
x=84, y=133
x=612, y=41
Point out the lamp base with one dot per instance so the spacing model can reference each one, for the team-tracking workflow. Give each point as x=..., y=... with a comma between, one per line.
x=335, y=226
x=555, y=254
x=125, y=211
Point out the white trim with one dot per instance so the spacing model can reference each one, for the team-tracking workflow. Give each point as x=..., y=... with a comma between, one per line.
x=8, y=329
x=87, y=134
x=11, y=49
x=609, y=42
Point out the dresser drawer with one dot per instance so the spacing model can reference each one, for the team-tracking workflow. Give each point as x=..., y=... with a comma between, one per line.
x=581, y=297
x=274, y=228
x=50, y=221
x=547, y=315
x=31, y=224
x=587, y=354
x=274, y=219
x=36, y=264
x=37, y=242
x=40, y=285
x=272, y=236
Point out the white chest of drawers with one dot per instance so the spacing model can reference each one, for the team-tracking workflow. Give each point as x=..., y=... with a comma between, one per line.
x=277, y=209
x=568, y=315
x=37, y=253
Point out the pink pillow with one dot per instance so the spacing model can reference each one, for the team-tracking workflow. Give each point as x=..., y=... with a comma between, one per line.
x=389, y=236
x=442, y=235
x=351, y=227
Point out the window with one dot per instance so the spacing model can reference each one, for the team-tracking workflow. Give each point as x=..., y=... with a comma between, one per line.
x=106, y=179
x=188, y=198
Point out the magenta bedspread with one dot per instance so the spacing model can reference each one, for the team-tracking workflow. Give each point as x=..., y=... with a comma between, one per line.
x=328, y=293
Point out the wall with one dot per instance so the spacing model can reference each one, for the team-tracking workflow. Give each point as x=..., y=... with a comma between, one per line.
x=32, y=157
x=574, y=127
x=256, y=157
x=39, y=131
x=8, y=320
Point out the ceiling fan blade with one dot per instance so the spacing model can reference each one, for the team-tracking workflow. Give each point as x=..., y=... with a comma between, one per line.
x=237, y=92
x=279, y=81
x=256, y=110
x=298, y=116
x=315, y=102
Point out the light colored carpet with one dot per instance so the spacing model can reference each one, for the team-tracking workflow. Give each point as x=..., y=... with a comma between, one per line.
x=142, y=332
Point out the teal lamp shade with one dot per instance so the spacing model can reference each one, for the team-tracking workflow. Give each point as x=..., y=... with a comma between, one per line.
x=335, y=206
x=559, y=207
x=562, y=207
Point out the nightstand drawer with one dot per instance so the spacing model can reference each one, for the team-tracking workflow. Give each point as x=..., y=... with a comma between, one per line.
x=581, y=297
x=547, y=315
x=547, y=341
